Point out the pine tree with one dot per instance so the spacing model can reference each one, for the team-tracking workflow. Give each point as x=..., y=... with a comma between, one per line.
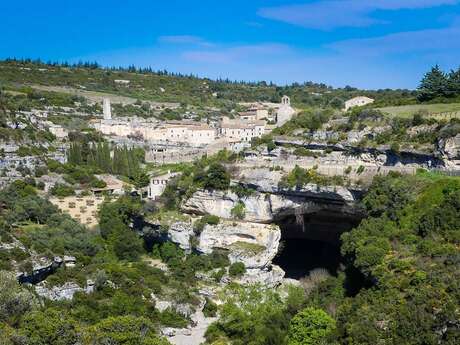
x=434, y=84
x=454, y=82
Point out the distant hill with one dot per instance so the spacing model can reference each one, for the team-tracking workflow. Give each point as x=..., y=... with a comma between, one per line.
x=162, y=86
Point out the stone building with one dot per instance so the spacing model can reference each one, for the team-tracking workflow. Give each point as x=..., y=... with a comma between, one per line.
x=240, y=130
x=158, y=185
x=187, y=132
x=57, y=130
x=255, y=112
x=285, y=111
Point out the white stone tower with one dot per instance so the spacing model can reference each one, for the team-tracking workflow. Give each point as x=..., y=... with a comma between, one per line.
x=107, y=109
x=285, y=111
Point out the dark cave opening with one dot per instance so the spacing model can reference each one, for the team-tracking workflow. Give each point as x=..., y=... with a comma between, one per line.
x=300, y=256
x=312, y=241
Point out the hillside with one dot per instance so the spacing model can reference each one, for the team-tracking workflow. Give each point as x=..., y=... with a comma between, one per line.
x=165, y=87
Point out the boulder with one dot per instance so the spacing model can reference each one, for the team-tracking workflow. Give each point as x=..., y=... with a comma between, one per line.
x=450, y=147
x=270, y=277
x=251, y=243
x=180, y=233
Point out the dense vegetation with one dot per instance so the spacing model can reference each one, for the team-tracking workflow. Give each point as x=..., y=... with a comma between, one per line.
x=400, y=285
x=121, y=309
x=207, y=173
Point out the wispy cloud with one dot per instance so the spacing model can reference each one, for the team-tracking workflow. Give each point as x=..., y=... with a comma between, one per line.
x=185, y=39
x=332, y=14
x=429, y=41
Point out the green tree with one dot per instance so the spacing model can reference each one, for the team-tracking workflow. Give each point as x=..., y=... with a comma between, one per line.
x=217, y=177
x=14, y=300
x=454, y=82
x=49, y=327
x=124, y=330
x=310, y=327
x=127, y=244
x=434, y=84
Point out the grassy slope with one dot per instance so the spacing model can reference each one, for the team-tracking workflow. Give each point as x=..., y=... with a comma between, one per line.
x=434, y=109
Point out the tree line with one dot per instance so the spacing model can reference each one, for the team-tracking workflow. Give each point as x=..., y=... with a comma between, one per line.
x=439, y=84
x=124, y=161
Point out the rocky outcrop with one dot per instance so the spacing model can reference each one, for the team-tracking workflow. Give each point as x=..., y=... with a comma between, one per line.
x=450, y=147
x=253, y=244
x=265, y=207
x=270, y=277
x=218, y=203
x=64, y=292
x=180, y=233
x=41, y=269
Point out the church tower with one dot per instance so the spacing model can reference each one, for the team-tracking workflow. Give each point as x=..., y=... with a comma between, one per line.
x=285, y=111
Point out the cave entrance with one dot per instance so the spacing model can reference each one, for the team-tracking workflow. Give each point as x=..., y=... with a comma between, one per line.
x=311, y=241
x=300, y=256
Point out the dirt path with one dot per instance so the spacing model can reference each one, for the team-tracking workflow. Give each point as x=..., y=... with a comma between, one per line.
x=196, y=336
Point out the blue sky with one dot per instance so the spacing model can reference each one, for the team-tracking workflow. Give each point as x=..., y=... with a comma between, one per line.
x=364, y=43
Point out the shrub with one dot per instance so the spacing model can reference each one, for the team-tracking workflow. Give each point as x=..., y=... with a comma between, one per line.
x=218, y=275
x=237, y=269
x=239, y=210
x=302, y=151
x=62, y=190
x=206, y=219
x=210, y=308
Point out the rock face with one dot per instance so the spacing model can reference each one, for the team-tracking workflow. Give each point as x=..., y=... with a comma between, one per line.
x=450, y=147
x=266, y=207
x=253, y=244
x=180, y=234
x=221, y=203
x=42, y=268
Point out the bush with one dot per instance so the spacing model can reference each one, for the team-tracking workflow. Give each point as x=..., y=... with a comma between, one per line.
x=237, y=269
x=210, y=308
x=218, y=275
x=61, y=190
x=310, y=327
x=239, y=210
x=206, y=219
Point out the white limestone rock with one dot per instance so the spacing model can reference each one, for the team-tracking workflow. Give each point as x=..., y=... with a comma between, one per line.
x=270, y=277
x=253, y=244
x=58, y=293
x=180, y=234
x=218, y=203
x=262, y=178
x=451, y=147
